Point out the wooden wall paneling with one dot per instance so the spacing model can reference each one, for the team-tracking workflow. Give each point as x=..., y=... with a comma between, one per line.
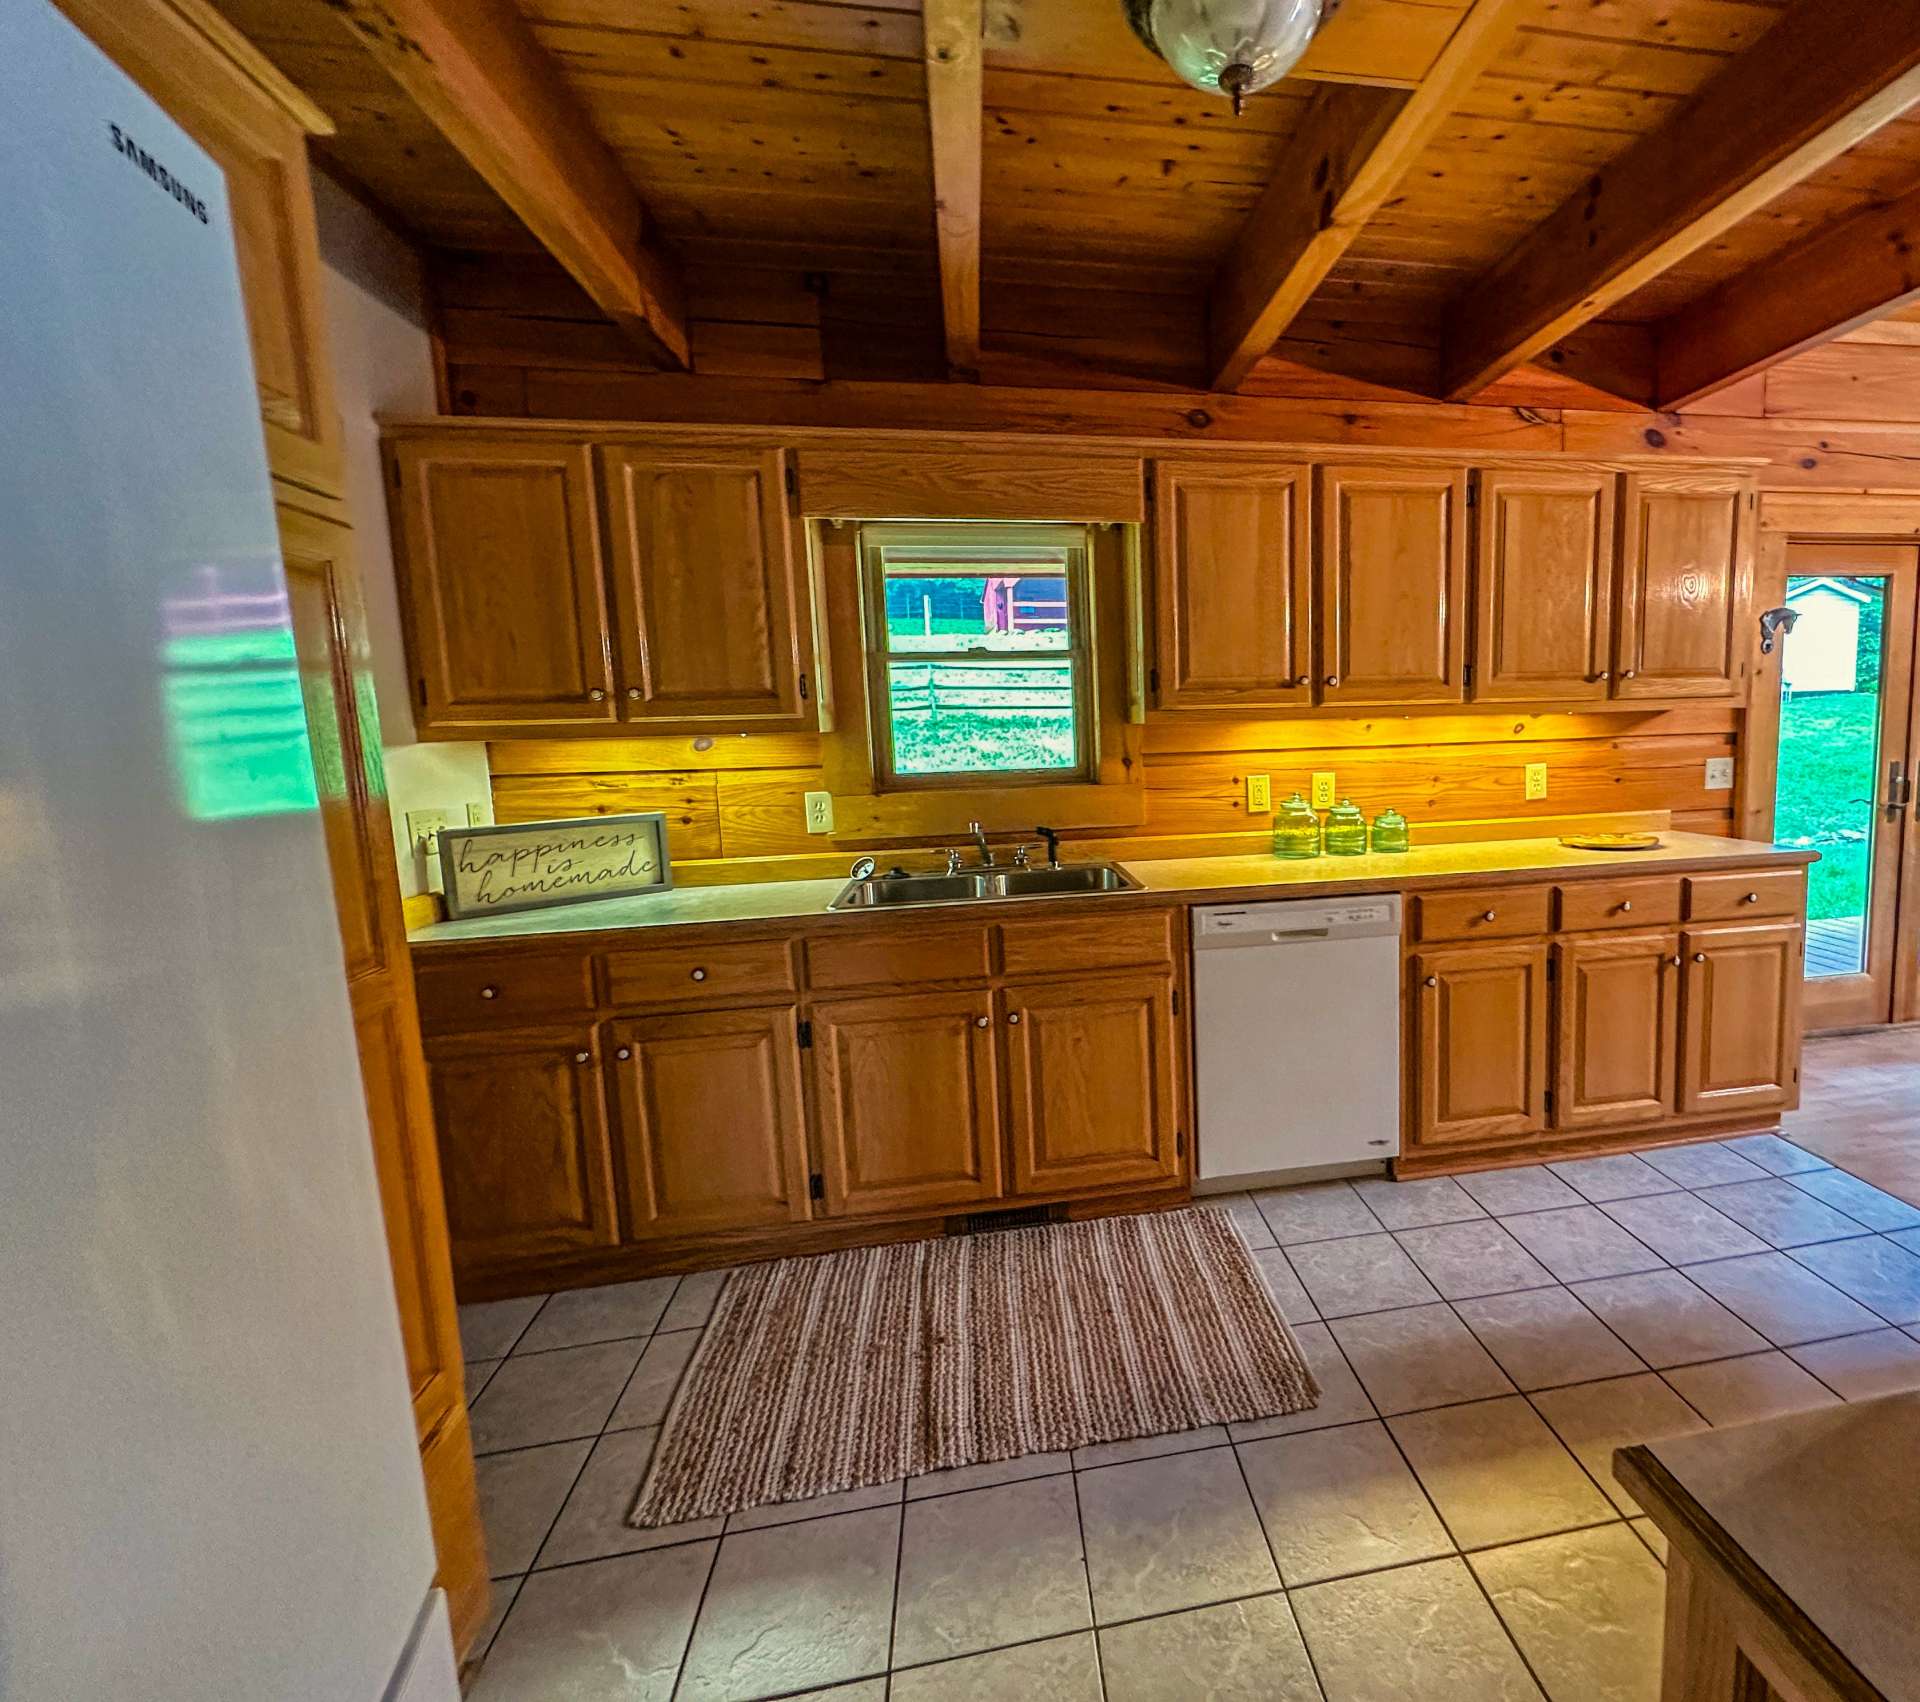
x=969, y=483
x=1686, y=586
x=953, y=89
x=690, y=803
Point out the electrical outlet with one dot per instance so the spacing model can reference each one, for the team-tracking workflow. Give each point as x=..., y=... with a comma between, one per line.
x=1719, y=774
x=424, y=825
x=1323, y=794
x=1259, y=795
x=1536, y=780
x=819, y=812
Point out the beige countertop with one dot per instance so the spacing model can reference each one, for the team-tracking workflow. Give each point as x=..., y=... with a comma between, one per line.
x=1184, y=878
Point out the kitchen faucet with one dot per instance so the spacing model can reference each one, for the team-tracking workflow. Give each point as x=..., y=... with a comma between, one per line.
x=979, y=836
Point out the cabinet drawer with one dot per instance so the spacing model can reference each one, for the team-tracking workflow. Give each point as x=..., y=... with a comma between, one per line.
x=1772, y=892
x=1499, y=913
x=884, y=958
x=1087, y=942
x=474, y=992
x=1618, y=904
x=700, y=975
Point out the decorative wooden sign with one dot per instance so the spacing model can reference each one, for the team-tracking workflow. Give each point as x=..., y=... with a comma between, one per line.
x=492, y=871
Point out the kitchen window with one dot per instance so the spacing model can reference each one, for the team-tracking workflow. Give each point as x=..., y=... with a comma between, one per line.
x=978, y=653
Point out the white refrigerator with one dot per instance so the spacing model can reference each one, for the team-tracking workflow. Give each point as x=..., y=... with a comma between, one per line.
x=209, y=1483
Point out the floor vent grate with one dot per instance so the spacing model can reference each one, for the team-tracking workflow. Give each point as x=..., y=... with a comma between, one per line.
x=1019, y=1217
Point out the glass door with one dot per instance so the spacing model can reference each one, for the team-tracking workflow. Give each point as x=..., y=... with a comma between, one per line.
x=1846, y=770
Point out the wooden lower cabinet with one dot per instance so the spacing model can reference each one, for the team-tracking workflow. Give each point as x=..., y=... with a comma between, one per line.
x=709, y=1132
x=1617, y=1040
x=906, y=1098
x=1741, y=1004
x=1091, y=1083
x=1480, y=1044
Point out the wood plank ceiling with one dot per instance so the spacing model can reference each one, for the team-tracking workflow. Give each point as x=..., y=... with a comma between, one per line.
x=1651, y=197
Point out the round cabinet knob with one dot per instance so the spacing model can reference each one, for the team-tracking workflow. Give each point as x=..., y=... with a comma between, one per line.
x=1675, y=960
x=1699, y=957
x=583, y=1057
x=1333, y=679
x=633, y=692
x=597, y=695
x=1751, y=898
x=1626, y=907
x=1301, y=682
x=1486, y=915
x=489, y=992
x=1606, y=674
x=1014, y=1018
x=624, y=1053
x=1433, y=981
x=1626, y=673
x=982, y=1022
x=699, y=975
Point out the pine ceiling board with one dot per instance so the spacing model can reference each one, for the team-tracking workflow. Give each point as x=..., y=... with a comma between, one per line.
x=892, y=30
x=1715, y=26
x=586, y=54
x=1601, y=62
x=1165, y=101
x=1532, y=101
x=1100, y=157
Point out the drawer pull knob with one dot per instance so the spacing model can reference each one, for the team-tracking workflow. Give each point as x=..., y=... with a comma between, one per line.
x=1751, y=898
x=1433, y=981
x=489, y=992
x=1014, y=1018
x=1486, y=915
x=1626, y=906
x=982, y=1022
x=699, y=975
x=583, y=1057
x=624, y=1053
x=1699, y=957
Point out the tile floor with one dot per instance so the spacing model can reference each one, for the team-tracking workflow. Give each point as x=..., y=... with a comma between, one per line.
x=1444, y=1523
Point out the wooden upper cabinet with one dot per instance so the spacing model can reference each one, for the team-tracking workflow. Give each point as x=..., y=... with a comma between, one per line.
x=1741, y=1003
x=1391, y=585
x=1480, y=1044
x=906, y=1098
x=706, y=586
x=1619, y=1030
x=1091, y=1075
x=1232, y=597
x=499, y=559
x=1686, y=585
x=1543, y=600
x=709, y=1128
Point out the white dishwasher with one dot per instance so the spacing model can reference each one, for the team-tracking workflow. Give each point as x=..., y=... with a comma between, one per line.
x=1297, y=1036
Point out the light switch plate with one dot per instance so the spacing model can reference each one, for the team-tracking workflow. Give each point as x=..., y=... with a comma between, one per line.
x=819, y=812
x=1323, y=794
x=1259, y=795
x=1536, y=780
x=1719, y=774
x=479, y=815
x=423, y=825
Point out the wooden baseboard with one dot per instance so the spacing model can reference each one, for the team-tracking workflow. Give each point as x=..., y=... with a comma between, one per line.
x=1451, y=1161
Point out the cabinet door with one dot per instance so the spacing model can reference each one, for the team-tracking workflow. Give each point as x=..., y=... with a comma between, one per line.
x=907, y=1095
x=1686, y=581
x=523, y=1143
x=1619, y=1030
x=1090, y=1069
x=1543, y=586
x=1741, y=1018
x=710, y=1134
x=1391, y=584
x=501, y=583
x=1480, y=1044
x=705, y=586
x=1231, y=586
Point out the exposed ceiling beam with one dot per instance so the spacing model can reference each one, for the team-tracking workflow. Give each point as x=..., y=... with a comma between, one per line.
x=1353, y=148
x=474, y=68
x=1830, y=73
x=1839, y=279
x=953, y=60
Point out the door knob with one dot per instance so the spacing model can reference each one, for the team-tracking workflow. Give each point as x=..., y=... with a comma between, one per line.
x=1014, y=1018
x=1699, y=957
x=1626, y=673
x=583, y=1057
x=597, y=695
x=1333, y=679
x=1433, y=981
x=623, y=1053
x=1675, y=960
x=982, y=1022
x=633, y=691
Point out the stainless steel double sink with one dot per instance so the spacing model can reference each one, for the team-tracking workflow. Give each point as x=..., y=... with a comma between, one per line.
x=973, y=886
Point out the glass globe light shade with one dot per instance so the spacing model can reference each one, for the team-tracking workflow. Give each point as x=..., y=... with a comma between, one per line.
x=1230, y=47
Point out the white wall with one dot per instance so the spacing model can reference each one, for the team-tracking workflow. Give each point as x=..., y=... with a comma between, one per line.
x=382, y=363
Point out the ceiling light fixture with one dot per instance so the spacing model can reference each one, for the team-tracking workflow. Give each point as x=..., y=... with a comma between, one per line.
x=1229, y=47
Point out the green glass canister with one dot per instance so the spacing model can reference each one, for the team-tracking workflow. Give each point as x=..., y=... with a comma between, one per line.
x=1296, y=829
x=1391, y=833
x=1346, y=834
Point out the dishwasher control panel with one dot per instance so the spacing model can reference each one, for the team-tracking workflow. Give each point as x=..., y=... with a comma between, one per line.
x=1297, y=919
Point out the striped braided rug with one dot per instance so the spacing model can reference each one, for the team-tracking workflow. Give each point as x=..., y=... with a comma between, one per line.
x=861, y=1367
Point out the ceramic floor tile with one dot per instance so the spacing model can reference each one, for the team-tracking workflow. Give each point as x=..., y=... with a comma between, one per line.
x=1417, y=1204
x=1284, y=1286
x=1245, y=1651
x=1528, y=1188
x=1546, y=1337
x=1318, y=1211
x=988, y=1568
x=1466, y=1259
x=793, y=1606
x=1775, y=1156
x=1781, y=1213
x=1342, y=1400
x=1171, y=1533
x=479, y=1372
x=1582, y=1242
x=1667, y=1320
x=1703, y=1165
x=1148, y=1447
x=1594, y=1419
x=1784, y=1301
x=862, y=1690
x=1497, y=1473
x=1246, y=1217
x=1877, y=1272
x=817, y=1507
x=1862, y=1368
x=1741, y=1391
x=1586, y=1610
x=520, y=1494
x=1340, y=1501
x=655, y=1378
x=985, y=1475
x=693, y=1300
x=1907, y=1238
x=609, y=1631
x=489, y=1328
x=1861, y=1201
x=552, y=1397
x=1619, y=1176
x=1411, y=1635
x=1064, y=1669
x=593, y=1523
x=499, y=1605
x=1683, y=1228
x=1421, y=1357
x=1362, y=1273
x=610, y=1313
